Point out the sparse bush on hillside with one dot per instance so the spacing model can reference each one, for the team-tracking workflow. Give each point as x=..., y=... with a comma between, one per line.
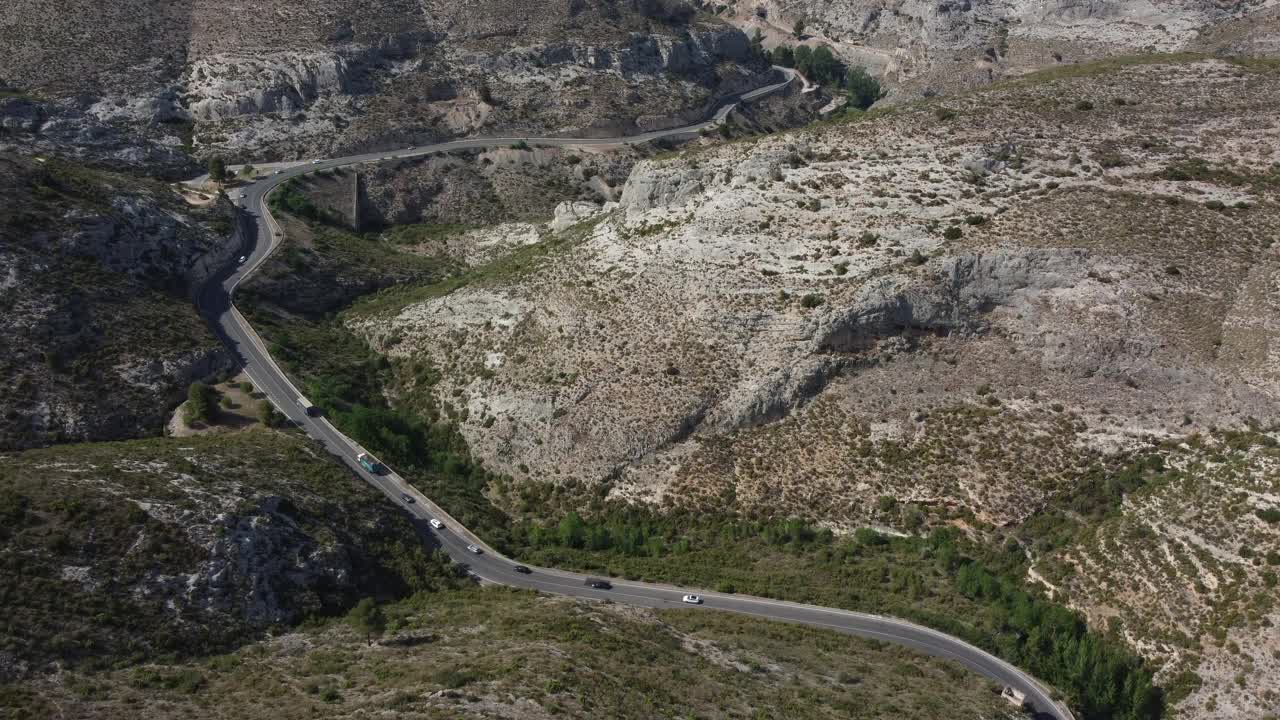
x=367, y=619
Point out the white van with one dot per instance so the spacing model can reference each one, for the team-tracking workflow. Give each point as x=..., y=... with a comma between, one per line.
x=437, y=524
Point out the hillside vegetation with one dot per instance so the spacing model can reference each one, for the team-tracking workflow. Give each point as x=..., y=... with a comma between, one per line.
x=113, y=554
x=100, y=335
x=501, y=654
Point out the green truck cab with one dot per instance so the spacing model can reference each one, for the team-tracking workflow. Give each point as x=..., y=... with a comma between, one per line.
x=368, y=463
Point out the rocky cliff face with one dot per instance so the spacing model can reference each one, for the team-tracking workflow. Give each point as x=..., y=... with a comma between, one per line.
x=96, y=267
x=289, y=82
x=729, y=292
x=930, y=47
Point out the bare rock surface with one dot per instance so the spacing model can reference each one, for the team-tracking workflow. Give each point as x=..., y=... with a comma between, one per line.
x=922, y=48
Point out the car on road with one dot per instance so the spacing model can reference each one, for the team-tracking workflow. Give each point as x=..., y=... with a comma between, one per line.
x=407, y=498
x=598, y=584
x=277, y=172
x=522, y=569
x=474, y=550
x=243, y=196
x=437, y=524
x=315, y=162
x=692, y=599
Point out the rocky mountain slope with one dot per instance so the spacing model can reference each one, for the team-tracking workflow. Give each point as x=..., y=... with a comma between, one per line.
x=100, y=335
x=499, y=654
x=124, y=552
x=281, y=80
x=973, y=308
x=929, y=47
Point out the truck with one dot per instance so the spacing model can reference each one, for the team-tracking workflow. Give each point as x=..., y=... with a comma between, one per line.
x=307, y=407
x=368, y=463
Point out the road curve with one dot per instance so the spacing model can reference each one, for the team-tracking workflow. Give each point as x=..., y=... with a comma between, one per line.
x=214, y=300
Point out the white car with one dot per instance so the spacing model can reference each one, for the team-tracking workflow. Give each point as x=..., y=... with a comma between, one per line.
x=692, y=599
x=315, y=162
x=243, y=196
x=437, y=524
x=473, y=549
x=277, y=172
x=242, y=259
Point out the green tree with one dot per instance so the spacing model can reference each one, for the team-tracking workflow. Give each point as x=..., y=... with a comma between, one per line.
x=248, y=171
x=217, y=168
x=864, y=90
x=820, y=65
x=367, y=618
x=798, y=28
x=804, y=59
x=783, y=55
x=200, y=403
x=572, y=531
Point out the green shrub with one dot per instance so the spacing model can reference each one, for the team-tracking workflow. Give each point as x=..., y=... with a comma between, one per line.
x=811, y=301
x=864, y=90
x=200, y=403
x=268, y=415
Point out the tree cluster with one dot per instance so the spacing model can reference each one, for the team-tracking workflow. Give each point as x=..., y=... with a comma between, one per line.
x=821, y=66
x=202, y=405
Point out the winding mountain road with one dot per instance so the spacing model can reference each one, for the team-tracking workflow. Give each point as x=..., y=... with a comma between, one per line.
x=261, y=234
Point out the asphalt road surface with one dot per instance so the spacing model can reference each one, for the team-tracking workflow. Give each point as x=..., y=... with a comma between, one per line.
x=260, y=235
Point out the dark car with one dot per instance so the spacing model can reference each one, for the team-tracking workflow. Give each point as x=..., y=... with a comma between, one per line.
x=522, y=569
x=407, y=498
x=598, y=584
